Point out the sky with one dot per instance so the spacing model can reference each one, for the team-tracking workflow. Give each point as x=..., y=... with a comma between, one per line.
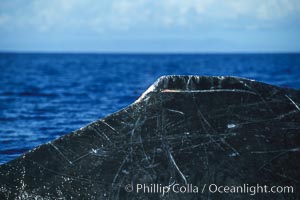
x=150, y=26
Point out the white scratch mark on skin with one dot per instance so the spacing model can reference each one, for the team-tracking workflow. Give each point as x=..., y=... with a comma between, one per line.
x=207, y=91
x=112, y=128
x=263, y=100
x=176, y=166
x=286, y=114
x=277, y=151
x=277, y=156
x=100, y=133
x=235, y=153
x=119, y=170
x=279, y=117
x=83, y=156
x=293, y=102
x=56, y=148
x=94, y=152
x=175, y=111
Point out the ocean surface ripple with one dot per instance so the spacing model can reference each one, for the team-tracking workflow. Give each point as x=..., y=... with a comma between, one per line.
x=44, y=96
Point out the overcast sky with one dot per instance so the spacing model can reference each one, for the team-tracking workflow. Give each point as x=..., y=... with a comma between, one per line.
x=150, y=25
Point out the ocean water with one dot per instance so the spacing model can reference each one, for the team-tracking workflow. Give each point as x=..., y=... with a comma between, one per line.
x=44, y=96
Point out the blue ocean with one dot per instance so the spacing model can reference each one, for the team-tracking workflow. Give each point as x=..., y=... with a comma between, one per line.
x=44, y=96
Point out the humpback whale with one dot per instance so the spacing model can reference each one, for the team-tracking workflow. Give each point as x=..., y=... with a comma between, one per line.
x=186, y=137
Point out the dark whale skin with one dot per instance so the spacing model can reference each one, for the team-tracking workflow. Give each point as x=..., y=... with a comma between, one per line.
x=196, y=130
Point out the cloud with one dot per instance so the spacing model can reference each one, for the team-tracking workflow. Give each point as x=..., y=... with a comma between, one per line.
x=78, y=24
x=123, y=15
x=3, y=19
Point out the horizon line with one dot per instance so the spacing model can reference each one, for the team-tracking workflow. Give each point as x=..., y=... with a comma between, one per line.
x=149, y=52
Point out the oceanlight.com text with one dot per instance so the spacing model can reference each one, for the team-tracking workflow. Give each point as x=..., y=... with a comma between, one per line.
x=211, y=188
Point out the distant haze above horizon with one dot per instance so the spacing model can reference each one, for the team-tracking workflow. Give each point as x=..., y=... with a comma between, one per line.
x=150, y=26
